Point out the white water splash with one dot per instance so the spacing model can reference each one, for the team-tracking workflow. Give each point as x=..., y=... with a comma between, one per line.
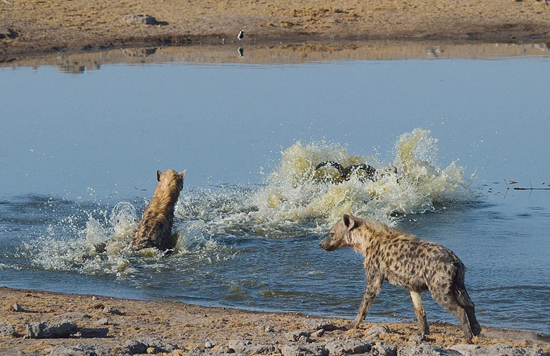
x=297, y=192
x=104, y=245
x=101, y=247
x=296, y=200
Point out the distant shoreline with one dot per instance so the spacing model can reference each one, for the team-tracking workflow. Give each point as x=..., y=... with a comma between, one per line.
x=38, y=27
x=110, y=325
x=275, y=53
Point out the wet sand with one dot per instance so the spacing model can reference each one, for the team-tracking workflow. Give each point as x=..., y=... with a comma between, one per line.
x=111, y=325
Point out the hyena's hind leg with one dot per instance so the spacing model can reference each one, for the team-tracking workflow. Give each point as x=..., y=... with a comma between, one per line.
x=446, y=298
x=420, y=313
x=465, y=302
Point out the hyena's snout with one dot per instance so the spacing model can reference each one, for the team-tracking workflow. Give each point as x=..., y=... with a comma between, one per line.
x=329, y=243
x=323, y=244
x=340, y=235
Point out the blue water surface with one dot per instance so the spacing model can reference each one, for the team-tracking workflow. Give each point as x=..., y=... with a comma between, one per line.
x=74, y=145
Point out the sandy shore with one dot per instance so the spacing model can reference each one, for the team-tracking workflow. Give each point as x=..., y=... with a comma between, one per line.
x=39, y=26
x=113, y=325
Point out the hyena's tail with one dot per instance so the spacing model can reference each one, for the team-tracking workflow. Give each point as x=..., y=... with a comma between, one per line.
x=463, y=298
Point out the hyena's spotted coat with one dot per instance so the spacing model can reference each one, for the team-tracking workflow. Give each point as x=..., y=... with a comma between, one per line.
x=402, y=259
x=155, y=227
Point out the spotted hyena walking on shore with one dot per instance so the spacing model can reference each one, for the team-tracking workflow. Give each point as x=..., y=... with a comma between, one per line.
x=404, y=260
x=155, y=227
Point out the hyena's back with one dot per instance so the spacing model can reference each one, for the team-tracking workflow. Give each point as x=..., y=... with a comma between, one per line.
x=418, y=265
x=155, y=227
x=154, y=231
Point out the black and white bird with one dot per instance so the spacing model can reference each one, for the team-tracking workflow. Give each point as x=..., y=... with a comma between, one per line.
x=240, y=35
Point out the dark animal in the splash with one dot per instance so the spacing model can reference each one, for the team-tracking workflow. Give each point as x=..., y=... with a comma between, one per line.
x=155, y=227
x=240, y=36
x=371, y=172
x=403, y=259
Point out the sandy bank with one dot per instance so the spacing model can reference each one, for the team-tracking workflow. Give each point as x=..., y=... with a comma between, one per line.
x=38, y=26
x=112, y=325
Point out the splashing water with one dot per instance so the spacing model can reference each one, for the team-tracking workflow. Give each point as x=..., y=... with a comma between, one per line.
x=297, y=192
x=295, y=200
x=100, y=247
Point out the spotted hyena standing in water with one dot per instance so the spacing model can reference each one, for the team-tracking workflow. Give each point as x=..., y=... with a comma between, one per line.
x=155, y=227
x=407, y=261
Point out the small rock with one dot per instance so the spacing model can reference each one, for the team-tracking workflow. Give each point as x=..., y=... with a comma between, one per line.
x=18, y=308
x=427, y=350
x=109, y=310
x=198, y=351
x=297, y=335
x=380, y=348
x=377, y=330
x=351, y=346
x=7, y=33
x=467, y=349
x=269, y=329
x=225, y=350
x=318, y=333
x=135, y=347
x=210, y=344
x=304, y=350
x=42, y=330
x=416, y=339
x=139, y=19
x=7, y=330
x=103, y=321
x=141, y=346
x=495, y=350
x=246, y=346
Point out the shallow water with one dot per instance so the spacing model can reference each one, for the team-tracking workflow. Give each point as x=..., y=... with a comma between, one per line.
x=79, y=154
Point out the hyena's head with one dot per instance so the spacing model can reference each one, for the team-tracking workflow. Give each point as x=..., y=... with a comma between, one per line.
x=171, y=179
x=340, y=234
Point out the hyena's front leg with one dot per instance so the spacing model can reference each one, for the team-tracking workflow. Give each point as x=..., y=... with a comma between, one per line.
x=420, y=312
x=374, y=284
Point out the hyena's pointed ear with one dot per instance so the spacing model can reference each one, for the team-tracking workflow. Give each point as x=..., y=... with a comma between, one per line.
x=350, y=221
x=159, y=174
x=182, y=174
